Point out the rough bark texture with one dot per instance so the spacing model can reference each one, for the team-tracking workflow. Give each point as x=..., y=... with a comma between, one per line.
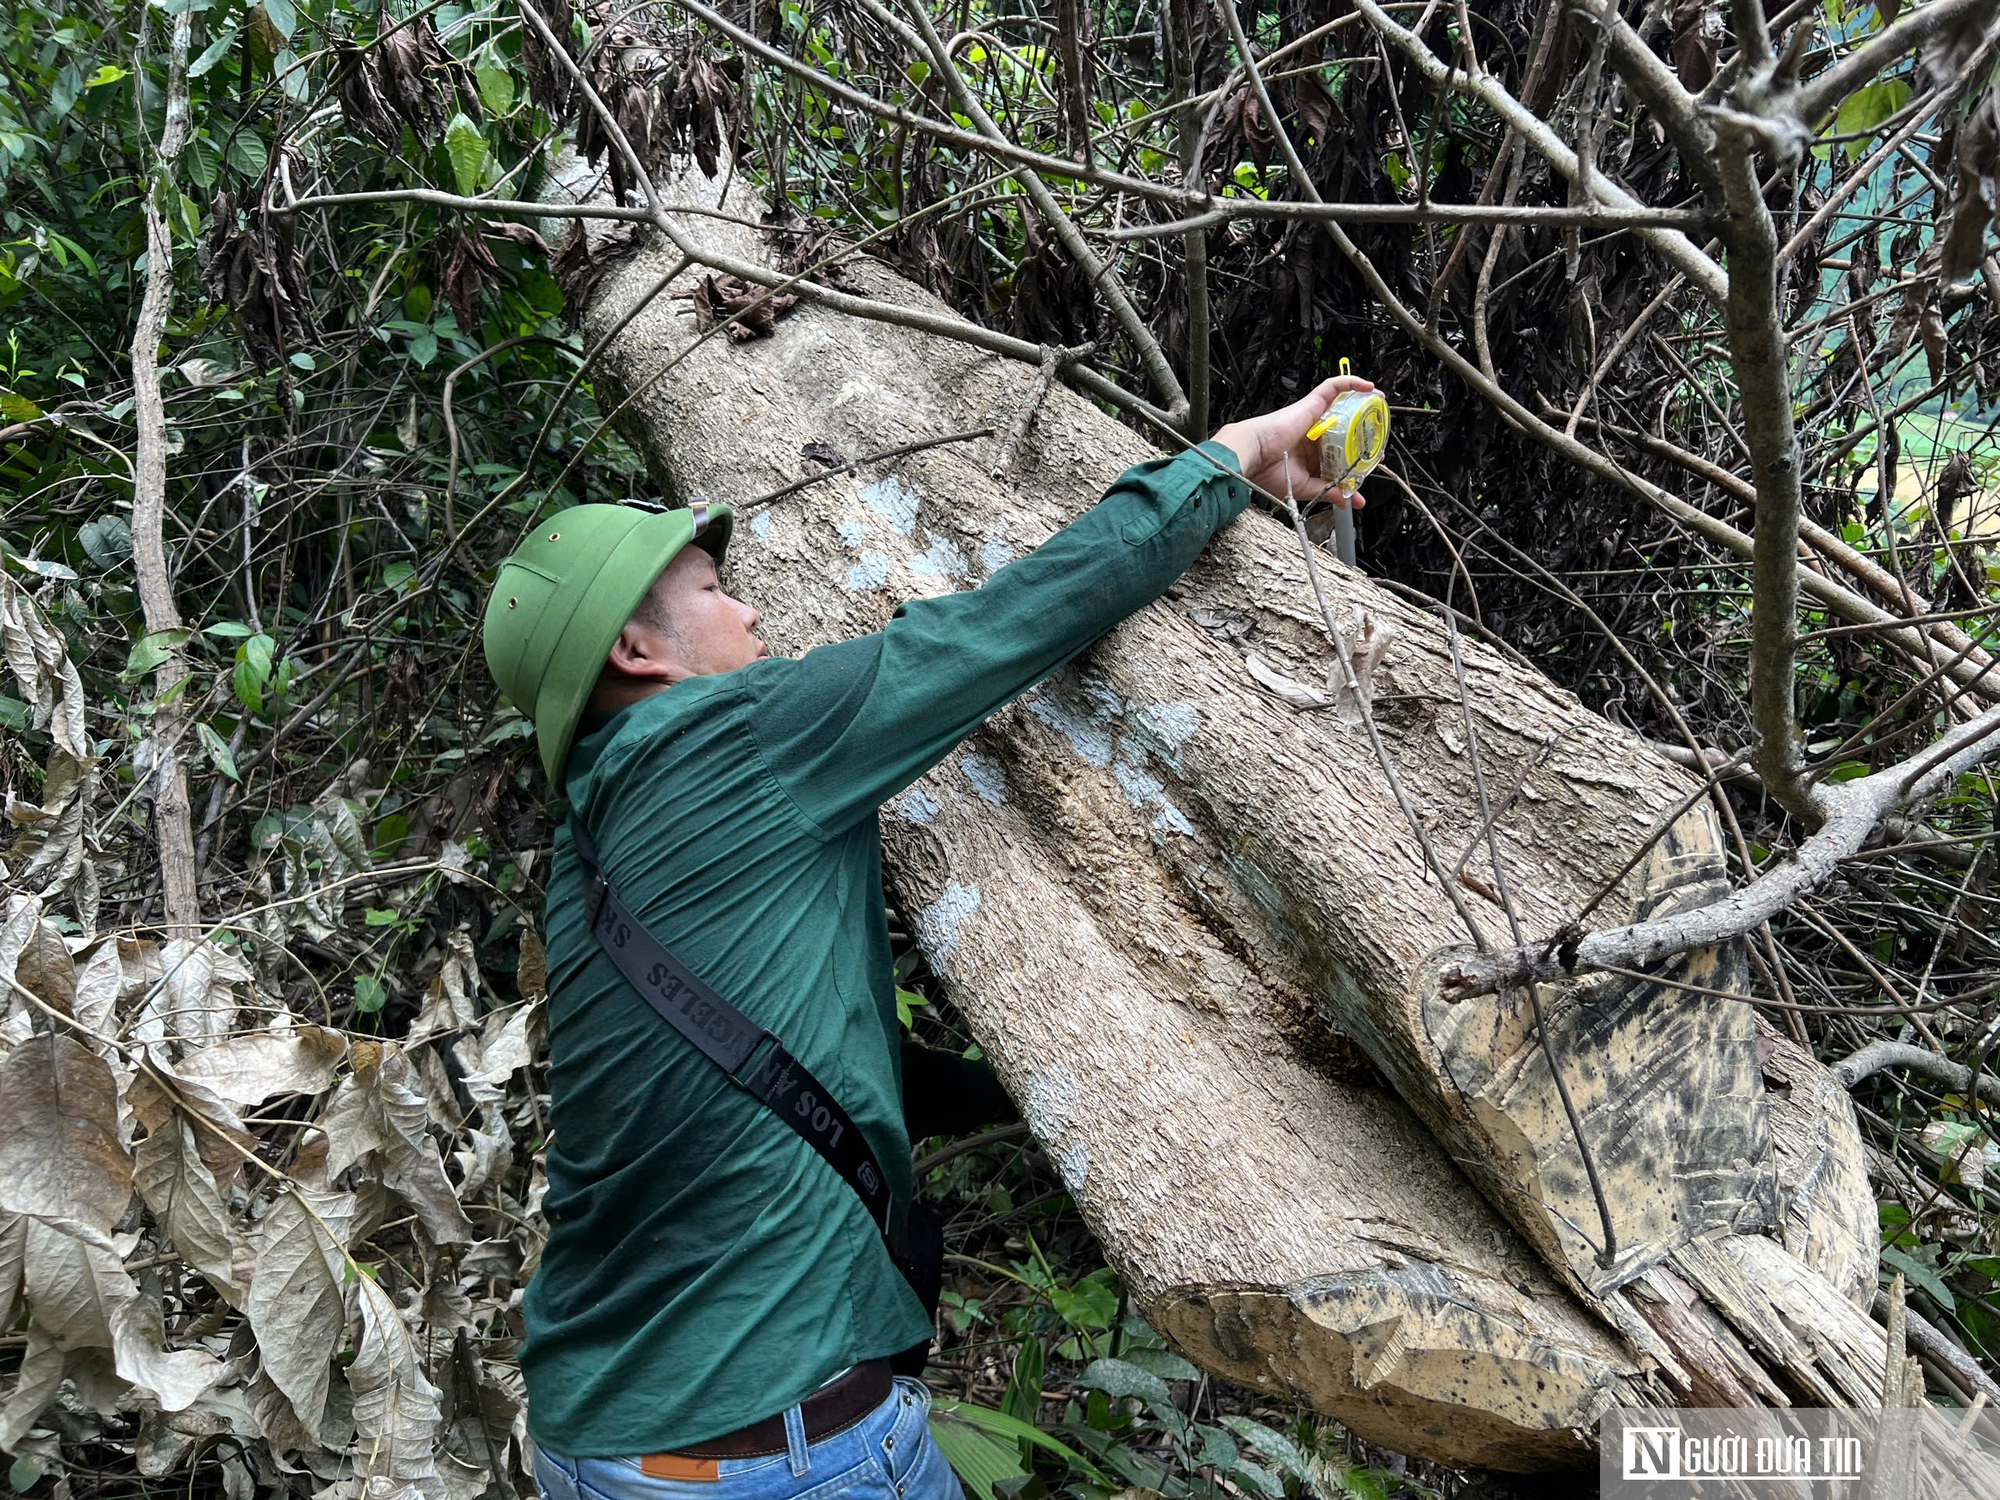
x=1177, y=910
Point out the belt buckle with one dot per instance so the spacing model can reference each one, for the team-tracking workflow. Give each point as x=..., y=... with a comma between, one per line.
x=676, y=1466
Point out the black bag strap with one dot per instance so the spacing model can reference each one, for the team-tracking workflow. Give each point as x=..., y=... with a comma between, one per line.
x=729, y=1039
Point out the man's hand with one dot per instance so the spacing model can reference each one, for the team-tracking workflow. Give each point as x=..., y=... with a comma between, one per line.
x=1273, y=447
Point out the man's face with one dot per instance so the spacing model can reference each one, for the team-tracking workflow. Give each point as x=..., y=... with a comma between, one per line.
x=701, y=629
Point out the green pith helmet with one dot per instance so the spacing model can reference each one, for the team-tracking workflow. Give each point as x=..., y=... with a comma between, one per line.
x=560, y=601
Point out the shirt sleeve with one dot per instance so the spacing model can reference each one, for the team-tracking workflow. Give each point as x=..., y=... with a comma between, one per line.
x=846, y=727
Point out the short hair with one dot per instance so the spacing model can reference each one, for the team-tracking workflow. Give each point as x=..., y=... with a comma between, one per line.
x=652, y=610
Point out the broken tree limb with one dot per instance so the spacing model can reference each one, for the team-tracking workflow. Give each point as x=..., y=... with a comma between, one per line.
x=1172, y=905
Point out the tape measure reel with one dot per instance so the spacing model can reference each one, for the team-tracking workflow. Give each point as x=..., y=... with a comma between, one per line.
x=1353, y=435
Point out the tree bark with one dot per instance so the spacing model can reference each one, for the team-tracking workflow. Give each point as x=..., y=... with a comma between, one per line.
x=1176, y=909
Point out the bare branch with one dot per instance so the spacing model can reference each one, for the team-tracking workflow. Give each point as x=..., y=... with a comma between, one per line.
x=1759, y=355
x=1854, y=810
x=173, y=816
x=1675, y=246
x=1817, y=99
x=1130, y=323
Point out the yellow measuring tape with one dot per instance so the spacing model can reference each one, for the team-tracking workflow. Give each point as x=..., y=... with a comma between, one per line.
x=1353, y=435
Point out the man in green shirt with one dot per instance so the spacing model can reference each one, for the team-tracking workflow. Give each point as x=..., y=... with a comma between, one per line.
x=715, y=1307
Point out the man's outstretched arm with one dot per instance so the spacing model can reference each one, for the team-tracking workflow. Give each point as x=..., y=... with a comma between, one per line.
x=848, y=726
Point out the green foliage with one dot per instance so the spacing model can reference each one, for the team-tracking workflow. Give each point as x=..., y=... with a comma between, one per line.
x=1866, y=109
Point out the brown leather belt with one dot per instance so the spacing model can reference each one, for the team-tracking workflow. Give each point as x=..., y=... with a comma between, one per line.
x=828, y=1410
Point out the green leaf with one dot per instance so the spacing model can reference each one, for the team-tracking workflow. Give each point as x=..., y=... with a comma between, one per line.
x=424, y=348
x=108, y=73
x=253, y=671
x=496, y=86
x=907, y=1004
x=291, y=76
x=1091, y=1303
x=999, y=1424
x=1273, y=1445
x=150, y=650
x=1115, y=1377
x=283, y=17
x=17, y=408
x=980, y=1462
x=396, y=574
x=213, y=53
x=229, y=630
x=269, y=831
x=369, y=994
x=201, y=163
x=68, y=89
x=1023, y=1397
x=23, y=1475
x=376, y=916
x=390, y=833
x=247, y=154
x=1895, y=1258
x=1218, y=1448
x=1162, y=1362
x=1366, y=1484
x=467, y=149
x=218, y=751
x=1866, y=109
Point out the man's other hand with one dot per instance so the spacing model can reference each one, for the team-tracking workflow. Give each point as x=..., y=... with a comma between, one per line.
x=1273, y=448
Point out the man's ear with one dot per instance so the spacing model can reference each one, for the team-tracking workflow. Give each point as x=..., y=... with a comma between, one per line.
x=641, y=651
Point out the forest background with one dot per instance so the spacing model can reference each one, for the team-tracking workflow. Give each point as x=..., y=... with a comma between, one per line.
x=291, y=355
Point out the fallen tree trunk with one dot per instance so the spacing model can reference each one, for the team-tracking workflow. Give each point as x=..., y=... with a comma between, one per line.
x=1170, y=901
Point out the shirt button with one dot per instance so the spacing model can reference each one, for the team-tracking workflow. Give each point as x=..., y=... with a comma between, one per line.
x=889, y=1443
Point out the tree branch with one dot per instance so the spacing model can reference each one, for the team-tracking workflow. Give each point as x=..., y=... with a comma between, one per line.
x=1809, y=104
x=1530, y=127
x=1854, y=810
x=172, y=814
x=1158, y=370
x=1758, y=354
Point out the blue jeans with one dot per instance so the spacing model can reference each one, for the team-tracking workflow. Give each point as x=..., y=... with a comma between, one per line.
x=887, y=1455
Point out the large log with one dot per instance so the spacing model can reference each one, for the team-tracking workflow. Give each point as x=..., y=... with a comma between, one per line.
x=1170, y=903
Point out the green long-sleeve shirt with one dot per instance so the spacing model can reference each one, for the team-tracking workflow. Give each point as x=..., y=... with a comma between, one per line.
x=704, y=1268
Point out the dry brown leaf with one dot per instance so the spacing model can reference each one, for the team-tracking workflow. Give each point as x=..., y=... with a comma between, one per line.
x=505, y=1047
x=1290, y=689
x=395, y=1407
x=74, y=1286
x=24, y=914
x=251, y=1068
x=197, y=997
x=451, y=1004
x=532, y=978
x=45, y=967
x=99, y=981
x=155, y=1096
x=188, y=1205
x=296, y=1305
x=377, y=1110
x=13, y=1249
x=1365, y=655
x=40, y=1378
x=53, y=832
x=60, y=1155
x=175, y=1377
x=1698, y=37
